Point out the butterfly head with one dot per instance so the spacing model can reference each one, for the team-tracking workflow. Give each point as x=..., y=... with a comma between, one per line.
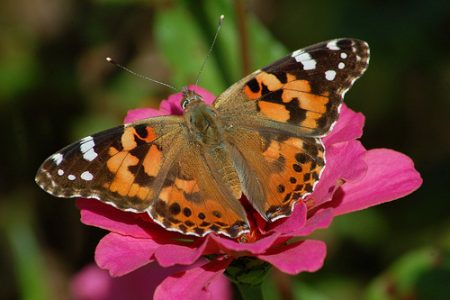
x=189, y=97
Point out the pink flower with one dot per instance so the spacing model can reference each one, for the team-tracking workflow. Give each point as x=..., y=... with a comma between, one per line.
x=93, y=283
x=354, y=179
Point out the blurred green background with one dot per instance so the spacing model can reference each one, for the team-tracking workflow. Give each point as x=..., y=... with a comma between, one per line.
x=55, y=87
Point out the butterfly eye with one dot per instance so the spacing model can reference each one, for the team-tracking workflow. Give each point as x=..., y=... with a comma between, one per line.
x=184, y=103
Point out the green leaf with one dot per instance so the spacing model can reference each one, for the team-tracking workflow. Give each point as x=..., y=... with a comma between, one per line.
x=181, y=43
x=16, y=222
x=420, y=272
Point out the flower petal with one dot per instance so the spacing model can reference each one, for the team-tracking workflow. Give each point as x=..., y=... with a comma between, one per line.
x=344, y=161
x=195, y=283
x=348, y=127
x=91, y=283
x=134, y=115
x=303, y=256
x=260, y=246
x=94, y=283
x=391, y=175
x=291, y=224
x=98, y=214
x=171, y=254
x=321, y=219
x=122, y=254
x=172, y=104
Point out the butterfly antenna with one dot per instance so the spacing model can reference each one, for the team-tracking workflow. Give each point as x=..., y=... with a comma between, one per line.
x=221, y=18
x=110, y=60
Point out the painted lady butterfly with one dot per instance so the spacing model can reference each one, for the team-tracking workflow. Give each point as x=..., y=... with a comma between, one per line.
x=261, y=137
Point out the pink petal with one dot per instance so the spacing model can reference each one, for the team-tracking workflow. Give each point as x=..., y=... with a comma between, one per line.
x=98, y=214
x=320, y=220
x=303, y=256
x=173, y=106
x=391, y=175
x=134, y=115
x=122, y=254
x=171, y=254
x=92, y=283
x=291, y=224
x=219, y=243
x=343, y=161
x=193, y=283
x=348, y=127
x=220, y=288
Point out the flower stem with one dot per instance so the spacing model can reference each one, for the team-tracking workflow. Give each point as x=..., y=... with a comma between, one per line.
x=250, y=291
x=248, y=274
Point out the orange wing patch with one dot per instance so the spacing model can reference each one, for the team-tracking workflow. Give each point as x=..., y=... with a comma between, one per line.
x=153, y=161
x=133, y=165
x=285, y=98
x=190, y=213
x=275, y=111
x=296, y=165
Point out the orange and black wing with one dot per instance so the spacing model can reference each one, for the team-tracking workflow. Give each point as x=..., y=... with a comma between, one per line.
x=300, y=93
x=118, y=166
x=276, y=170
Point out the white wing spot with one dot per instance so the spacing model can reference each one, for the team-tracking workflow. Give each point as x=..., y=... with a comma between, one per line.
x=330, y=75
x=341, y=65
x=90, y=155
x=307, y=61
x=86, y=175
x=358, y=58
x=57, y=158
x=87, y=148
x=60, y=172
x=71, y=177
x=332, y=45
x=344, y=55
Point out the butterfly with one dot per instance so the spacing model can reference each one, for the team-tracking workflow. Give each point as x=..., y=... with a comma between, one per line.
x=262, y=137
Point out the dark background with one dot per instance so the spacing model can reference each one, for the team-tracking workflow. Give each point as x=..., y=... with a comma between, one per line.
x=55, y=87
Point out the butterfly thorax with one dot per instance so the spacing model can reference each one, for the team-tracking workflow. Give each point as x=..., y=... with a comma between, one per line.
x=202, y=122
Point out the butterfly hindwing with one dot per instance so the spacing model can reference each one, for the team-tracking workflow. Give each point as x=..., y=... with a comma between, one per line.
x=195, y=198
x=277, y=169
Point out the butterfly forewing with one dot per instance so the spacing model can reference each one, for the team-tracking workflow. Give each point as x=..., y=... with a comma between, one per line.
x=118, y=166
x=304, y=89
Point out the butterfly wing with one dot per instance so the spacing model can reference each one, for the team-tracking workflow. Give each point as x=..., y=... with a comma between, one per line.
x=276, y=169
x=300, y=93
x=276, y=116
x=118, y=166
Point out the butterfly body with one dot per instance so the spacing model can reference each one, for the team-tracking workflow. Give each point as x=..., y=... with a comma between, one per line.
x=203, y=124
x=260, y=138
